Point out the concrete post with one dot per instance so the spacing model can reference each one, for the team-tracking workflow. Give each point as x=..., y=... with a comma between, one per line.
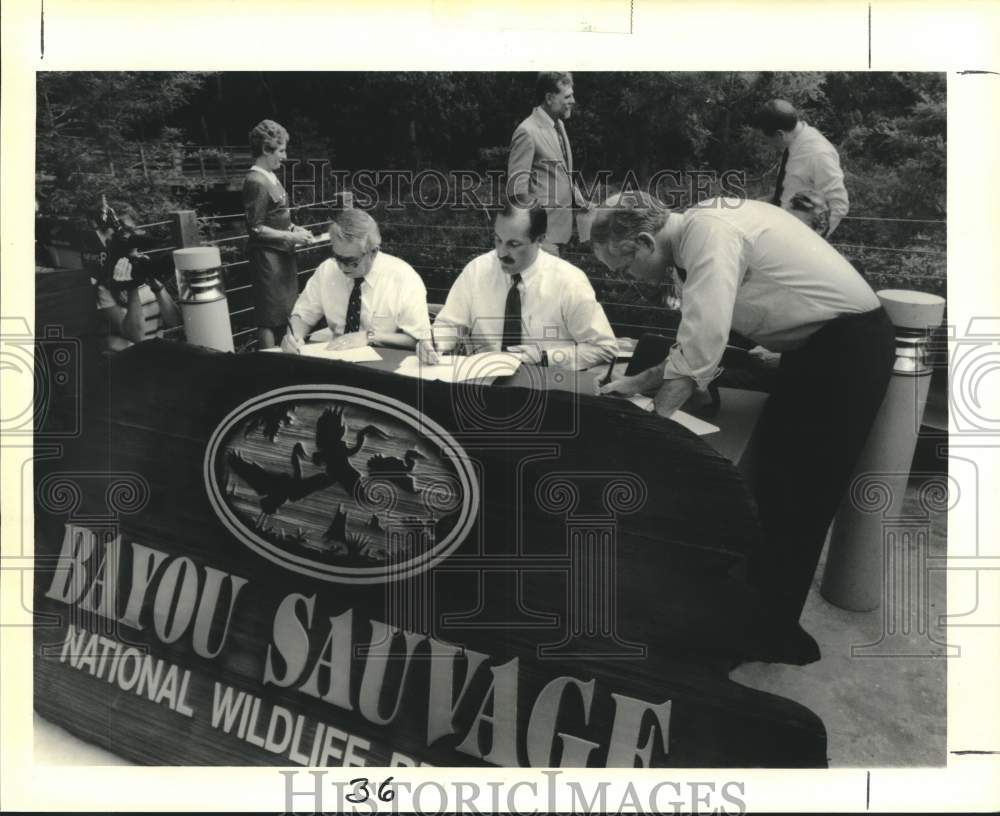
x=853, y=578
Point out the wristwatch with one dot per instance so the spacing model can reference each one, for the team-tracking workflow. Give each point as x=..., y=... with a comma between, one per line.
x=370, y=336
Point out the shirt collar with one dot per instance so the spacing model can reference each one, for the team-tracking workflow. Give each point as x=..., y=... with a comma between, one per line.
x=267, y=173
x=526, y=274
x=800, y=128
x=546, y=116
x=675, y=229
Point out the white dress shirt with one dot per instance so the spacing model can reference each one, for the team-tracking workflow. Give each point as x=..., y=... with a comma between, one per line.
x=558, y=310
x=813, y=164
x=393, y=298
x=755, y=268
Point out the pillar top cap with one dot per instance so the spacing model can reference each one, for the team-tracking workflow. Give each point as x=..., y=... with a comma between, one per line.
x=912, y=310
x=197, y=258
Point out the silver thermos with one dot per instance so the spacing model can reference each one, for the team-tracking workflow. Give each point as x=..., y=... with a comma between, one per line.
x=204, y=307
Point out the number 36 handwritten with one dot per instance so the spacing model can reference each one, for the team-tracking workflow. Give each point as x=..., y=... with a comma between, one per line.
x=385, y=792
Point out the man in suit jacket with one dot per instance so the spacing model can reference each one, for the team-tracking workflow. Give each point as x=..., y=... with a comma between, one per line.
x=540, y=164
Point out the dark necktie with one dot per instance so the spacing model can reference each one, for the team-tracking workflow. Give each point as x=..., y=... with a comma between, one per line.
x=512, y=315
x=779, y=185
x=562, y=145
x=352, y=322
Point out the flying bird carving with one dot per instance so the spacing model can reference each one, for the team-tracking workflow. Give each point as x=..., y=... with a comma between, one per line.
x=397, y=471
x=270, y=420
x=332, y=453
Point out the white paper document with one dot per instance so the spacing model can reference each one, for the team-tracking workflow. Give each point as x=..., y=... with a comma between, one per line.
x=486, y=366
x=361, y=354
x=692, y=423
x=323, y=335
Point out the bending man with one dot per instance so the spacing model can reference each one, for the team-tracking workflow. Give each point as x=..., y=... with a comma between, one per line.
x=752, y=267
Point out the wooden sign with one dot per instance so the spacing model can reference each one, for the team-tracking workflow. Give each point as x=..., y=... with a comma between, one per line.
x=263, y=559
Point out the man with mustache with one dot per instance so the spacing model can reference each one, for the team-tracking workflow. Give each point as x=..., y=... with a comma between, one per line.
x=540, y=162
x=519, y=298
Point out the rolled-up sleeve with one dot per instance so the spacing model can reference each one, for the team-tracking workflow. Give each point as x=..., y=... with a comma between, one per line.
x=411, y=307
x=457, y=311
x=829, y=182
x=309, y=306
x=712, y=252
x=588, y=325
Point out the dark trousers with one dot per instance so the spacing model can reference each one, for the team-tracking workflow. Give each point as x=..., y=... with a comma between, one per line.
x=812, y=431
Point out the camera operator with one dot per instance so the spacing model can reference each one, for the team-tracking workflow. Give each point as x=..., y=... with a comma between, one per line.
x=132, y=303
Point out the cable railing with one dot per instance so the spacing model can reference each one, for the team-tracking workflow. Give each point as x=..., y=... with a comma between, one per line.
x=439, y=262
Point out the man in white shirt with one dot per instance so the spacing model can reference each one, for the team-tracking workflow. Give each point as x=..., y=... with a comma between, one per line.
x=366, y=296
x=749, y=266
x=808, y=160
x=520, y=298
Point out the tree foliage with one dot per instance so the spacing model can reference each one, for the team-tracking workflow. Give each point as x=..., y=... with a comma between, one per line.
x=111, y=133
x=890, y=130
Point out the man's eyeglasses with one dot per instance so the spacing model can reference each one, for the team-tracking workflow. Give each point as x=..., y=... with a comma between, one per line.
x=351, y=263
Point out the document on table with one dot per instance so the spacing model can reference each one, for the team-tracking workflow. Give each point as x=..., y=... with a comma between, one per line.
x=323, y=335
x=486, y=366
x=692, y=423
x=361, y=354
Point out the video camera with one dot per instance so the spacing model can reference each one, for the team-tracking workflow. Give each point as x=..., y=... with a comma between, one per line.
x=126, y=241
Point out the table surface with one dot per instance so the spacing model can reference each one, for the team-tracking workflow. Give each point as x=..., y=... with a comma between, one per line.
x=737, y=417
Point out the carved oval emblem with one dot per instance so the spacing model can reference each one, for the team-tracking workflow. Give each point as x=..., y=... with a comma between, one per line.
x=340, y=483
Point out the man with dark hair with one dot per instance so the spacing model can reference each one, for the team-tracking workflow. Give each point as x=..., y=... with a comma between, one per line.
x=519, y=298
x=540, y=164
x=749, y=266
x=132, y=303
x=808, y=160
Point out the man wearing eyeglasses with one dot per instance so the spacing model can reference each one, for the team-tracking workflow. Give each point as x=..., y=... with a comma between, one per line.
x=366, y=296
x=756, y=268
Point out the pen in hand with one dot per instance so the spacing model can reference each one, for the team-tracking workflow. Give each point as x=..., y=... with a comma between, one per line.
x=291, y=334
x=607, y=376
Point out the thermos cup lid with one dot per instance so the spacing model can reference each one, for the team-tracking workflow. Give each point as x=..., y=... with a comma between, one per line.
x=197, y=258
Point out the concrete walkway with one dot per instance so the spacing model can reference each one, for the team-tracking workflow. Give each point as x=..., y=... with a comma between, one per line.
x=882, y=697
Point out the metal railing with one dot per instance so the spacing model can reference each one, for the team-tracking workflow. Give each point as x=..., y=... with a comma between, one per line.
x=631, y=307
